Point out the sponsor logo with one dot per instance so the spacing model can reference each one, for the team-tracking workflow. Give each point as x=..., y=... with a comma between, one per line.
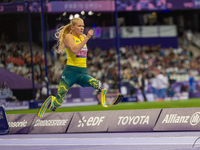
x=81, y=122
x=132, y=99
x=63, y=77
x=68, y=95
x=127, y=120
x=76, y=100
x=1, y=115
x=194, y=120
x=188, y=5
x=77, y=41
x=88, y=99
x=92, y=121
x=17, y=124
x=42, y=123
x=174, y=118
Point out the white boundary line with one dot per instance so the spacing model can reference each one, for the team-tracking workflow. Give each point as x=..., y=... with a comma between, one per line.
x=35, y=138
x=98, y=144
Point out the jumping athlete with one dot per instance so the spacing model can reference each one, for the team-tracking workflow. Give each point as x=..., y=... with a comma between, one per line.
x=72, y=39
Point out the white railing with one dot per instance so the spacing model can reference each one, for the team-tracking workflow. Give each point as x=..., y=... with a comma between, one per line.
x=180, y=78
x=128, y=32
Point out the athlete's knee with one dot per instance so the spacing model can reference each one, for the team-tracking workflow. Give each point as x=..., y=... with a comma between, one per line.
x=94, y=83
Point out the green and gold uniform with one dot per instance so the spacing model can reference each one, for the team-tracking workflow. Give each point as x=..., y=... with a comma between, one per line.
x=75, y=71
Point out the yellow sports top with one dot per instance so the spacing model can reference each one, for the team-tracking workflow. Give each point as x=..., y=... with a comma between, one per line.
x=79, y=59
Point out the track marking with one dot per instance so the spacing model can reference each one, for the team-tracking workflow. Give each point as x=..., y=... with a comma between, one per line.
x=98, y=141
x=98, y=144
x=99, y=138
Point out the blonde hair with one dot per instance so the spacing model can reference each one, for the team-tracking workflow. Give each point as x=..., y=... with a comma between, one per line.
x=62, y=32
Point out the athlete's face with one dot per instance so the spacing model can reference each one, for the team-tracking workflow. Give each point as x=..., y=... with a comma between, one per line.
x=78, y=28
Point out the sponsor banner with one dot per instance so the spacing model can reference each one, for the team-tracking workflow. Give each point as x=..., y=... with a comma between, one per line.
x=35, y=104
x=133, y=120
x=129, y=5
x=51, y=123
x=78, y=6
x=178, y=119
x=6, y=93
x=109, y=5
x=132, y=98
x=178, y=85
x=4, y=128
x=139, y=5
x=149, y=96
x=14, y=105
x=179, y=4
x=94, y=121
x=196, y=3
x=34, y=7
x=20, y=123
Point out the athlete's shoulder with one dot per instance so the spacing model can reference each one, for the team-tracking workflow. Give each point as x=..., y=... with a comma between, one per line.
x=69, y=36
x=84, y=36
x=68, y=40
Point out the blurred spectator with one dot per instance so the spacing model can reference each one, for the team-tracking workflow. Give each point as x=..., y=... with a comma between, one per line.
x=53, y=54
x=4, y=86
x=162, y=83
x=38, y=96
x=27, y=58
x=141, y=84
x=44, y=92
x=154, y=86
x=166, y=83
x=170, y=92
x=37, y=58
x=191, y=82
x=198, y=87
x=3, y=59
x=106, y=85
x=146, y=82
x=3, y=46
x=189, y=35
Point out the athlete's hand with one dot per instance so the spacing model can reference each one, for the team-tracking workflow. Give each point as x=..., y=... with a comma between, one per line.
x=90, y=34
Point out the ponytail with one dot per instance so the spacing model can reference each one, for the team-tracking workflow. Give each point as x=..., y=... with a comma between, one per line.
x=60, y=36
x=62, y=32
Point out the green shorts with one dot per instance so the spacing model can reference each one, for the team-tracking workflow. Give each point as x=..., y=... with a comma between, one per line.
x=78, y=75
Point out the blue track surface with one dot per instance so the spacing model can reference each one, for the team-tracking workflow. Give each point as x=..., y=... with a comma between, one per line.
x=105, y=141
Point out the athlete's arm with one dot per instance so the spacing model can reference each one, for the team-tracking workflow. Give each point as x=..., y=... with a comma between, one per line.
x=69, y=42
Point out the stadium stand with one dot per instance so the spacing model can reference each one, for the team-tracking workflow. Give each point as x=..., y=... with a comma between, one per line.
x=175, y=62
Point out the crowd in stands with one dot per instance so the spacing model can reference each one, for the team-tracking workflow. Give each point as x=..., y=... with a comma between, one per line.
x=103, y=64
x=135, y=59
x=16, y=59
